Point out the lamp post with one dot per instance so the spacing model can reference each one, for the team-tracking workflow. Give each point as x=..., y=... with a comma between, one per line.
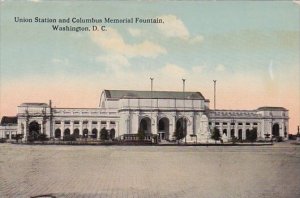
x=215, y=82
x=151, y=110
x=184, y=121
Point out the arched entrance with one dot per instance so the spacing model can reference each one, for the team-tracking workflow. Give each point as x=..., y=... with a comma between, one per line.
x=94, y=133
x=34, y=130
x=232, y=132
x=85, y=133
x=163, y=129
x=67, y=132
x=76, y=133
x=181, y=128
x=275, y=130
x=57, y=133
x=225, y=131
x=145, y=125
x=248, y=134
x=240, y=134
x=112, y=133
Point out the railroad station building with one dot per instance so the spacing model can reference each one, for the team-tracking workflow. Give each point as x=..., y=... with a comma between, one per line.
x=158, y=113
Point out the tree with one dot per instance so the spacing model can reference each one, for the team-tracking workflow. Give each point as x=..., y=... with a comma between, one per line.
x=43, y=137
x=104, y=134
x=178, y=134
x=70, y=137
x=141, y=134
x=215, y=135
x=180, y=131
x=252, y=135
x=19, y=137
x=112, y=134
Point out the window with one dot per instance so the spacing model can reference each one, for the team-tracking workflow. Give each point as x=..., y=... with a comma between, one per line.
x=247, y=123
x=67, y=122
x=217, y=123
x=76, y=122
x=232, y=123
x=209, y=123
x=240, y=123
x=255, y=123
x=57, y=122
x=103, y=122
x=224, y=123
x=94, y=122
x=85, y=122
x=112, y=122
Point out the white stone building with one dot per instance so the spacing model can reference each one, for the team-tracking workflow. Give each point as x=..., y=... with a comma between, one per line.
x=157, y=113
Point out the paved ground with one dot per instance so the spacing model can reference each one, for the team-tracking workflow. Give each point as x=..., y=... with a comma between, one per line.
x=148, y=171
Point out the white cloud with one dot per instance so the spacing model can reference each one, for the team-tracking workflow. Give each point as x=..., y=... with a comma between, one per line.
x=173, y=27
x=59, y=61
x=175, y=71
x=196, y=39
x=220, y=68
x=115, y=61
x=198, y=69
x=113, y=42
x=135, y=32
x=297, y=2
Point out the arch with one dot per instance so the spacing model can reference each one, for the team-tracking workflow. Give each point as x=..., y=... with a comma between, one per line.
x=76, y=133
x=85, y=133
x=275, y=130
x=34, y=129
x=145, y=125
x=94, y=133
x=112, y=133
x=225, y=131
x=232, y=132
x=67, y=132
x=57, y=133
x=240, y=134
x=181, y=128
x=248, y=134
x=163, y=128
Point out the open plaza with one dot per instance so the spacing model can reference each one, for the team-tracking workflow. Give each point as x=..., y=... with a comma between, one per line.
x=150, y=171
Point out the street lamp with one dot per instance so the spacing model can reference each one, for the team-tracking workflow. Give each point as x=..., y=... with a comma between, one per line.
x=215, y=82
x=184, y=121
x=152, y=124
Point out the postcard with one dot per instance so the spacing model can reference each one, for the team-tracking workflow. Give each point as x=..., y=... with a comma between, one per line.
x=149, y=98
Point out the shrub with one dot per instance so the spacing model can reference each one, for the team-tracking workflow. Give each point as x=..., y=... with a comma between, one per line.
x=69, y=138
x=141, y=134
x=42, y=137
x=252, y=135
x=215, y=135
x=104, y=134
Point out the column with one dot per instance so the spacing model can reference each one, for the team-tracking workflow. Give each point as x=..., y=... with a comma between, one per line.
x=71, y=126
x=236, y=129
x=80, y=128
x=189, y=129
x=42, y=127
x=108, y=124
x=244, y=131
x=154, y=123
x=229, y=129
x=90, y=127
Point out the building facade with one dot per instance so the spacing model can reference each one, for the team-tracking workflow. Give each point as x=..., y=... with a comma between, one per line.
x=158, y=113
